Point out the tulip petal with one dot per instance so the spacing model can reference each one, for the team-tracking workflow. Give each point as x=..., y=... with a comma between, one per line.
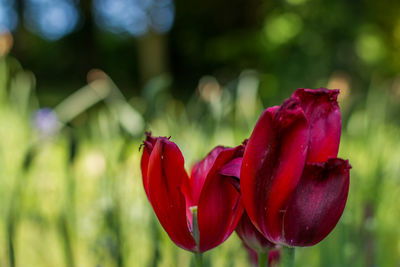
x=232, y=168
x=252, y=254
x=322, y=111
x=144, y=162
x=252, y=179
x=148, y=145
x=272, y=165
x=251, y=237
x=165, y=175
x=232, y=171
x=192, y=187
x=317, y=203
x=220, y=205
x=274, y=258
x=198, y=175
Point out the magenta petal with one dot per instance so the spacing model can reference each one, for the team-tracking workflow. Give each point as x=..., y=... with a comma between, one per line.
x=272, y=166
x=232, y=168
x=318, y=202
x=322, y=111
x=165, y=175
x=220, y=205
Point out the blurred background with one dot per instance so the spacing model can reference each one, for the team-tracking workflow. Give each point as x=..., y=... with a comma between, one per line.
x=80, y=82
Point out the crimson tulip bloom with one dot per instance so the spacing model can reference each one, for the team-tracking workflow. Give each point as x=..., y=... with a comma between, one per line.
x=294, y=187
x=209, y=190
x=251, y=237
x=255, y=243
x=274, y=257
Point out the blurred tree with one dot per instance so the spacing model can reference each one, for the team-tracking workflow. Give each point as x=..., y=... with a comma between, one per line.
x=85, y=37
x=292, y=43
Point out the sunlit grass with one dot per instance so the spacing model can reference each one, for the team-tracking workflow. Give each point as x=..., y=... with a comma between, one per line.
x=90, y=209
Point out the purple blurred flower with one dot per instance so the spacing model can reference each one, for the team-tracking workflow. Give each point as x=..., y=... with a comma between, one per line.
x=45, y=122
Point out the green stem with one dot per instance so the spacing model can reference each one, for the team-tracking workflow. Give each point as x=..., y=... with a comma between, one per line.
x=196, y=236
x=198, y=258
x=288, y=257
x=263, y=259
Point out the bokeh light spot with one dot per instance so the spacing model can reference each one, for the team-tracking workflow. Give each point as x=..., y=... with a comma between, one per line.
x=280, y=29
x=51, y=19
x=8, y=16
x=296, y=2
x=370, y=47
x=6, y=43
x=134, y=17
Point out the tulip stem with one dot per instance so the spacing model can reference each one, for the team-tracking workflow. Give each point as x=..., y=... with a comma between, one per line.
x=288, y=257
x=263, y=259
x=198, y=257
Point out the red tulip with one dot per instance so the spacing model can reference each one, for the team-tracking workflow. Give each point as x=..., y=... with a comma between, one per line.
x=251, y=237
x=174, y=195
x=294, y=188
x=274, y=257
x=256, y=243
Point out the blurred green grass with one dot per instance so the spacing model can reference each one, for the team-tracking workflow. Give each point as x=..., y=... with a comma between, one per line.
x=75, y=198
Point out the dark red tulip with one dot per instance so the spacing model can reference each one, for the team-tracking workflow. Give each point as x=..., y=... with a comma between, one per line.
x=294, y=188
x=209, y=190
x=253, y=256
x=256, y=243
x=274, y=257
x=251, y=237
